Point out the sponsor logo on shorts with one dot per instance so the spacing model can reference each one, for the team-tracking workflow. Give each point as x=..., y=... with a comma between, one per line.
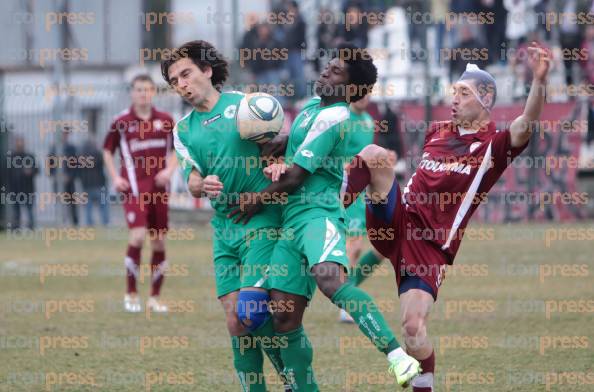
x=131, y=216
x=337, y=252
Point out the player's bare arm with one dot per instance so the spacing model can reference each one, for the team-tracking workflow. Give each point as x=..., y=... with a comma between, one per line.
x=252, y=203
x=521, y=127
x=119, y=182
x=195, y=182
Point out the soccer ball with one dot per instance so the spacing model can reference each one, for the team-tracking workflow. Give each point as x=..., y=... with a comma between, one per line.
x=259, y=117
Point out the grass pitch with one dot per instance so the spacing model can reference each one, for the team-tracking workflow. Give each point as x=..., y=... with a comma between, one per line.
x=516, y=313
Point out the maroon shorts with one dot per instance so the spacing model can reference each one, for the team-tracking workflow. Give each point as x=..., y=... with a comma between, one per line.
x=148, y=209
x=417, y=263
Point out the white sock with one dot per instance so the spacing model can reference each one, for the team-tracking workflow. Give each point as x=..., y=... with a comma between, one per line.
x=424, y=380
x=397, y=355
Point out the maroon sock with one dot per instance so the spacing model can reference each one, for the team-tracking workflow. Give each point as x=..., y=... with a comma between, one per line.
x=157, y=272
x=428, y=366
x=132, y=263
x=358, y=177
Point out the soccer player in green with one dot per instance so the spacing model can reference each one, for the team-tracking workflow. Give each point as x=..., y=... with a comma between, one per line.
x=360, y=135
x=314, y=220
x=219, y=164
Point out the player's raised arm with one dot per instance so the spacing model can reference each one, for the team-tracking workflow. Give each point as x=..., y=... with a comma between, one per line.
x=521, y=127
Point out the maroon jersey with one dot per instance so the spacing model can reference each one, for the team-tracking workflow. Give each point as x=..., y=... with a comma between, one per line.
x=143, y=144
x=455, y=173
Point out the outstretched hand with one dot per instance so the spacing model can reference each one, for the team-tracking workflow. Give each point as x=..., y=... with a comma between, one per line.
x=539, y=61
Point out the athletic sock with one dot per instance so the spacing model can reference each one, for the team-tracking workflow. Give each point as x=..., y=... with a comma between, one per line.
x=424, y=382
x=272, y=345
x=364, y=311
x=364, y=268
x=158, y=264
x=358, y=177
x=248, y=362
x=297, y=355
x=132, y=263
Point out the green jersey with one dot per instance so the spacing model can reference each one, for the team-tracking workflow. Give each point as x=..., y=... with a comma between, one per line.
x=318, y=144
x=361, y=133
x=209, y=142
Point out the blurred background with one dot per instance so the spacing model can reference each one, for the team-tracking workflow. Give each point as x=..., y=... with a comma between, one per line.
x=66, y=65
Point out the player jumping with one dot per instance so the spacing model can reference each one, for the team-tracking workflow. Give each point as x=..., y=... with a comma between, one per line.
x=314, y=251
x=143, y=135
x=462, y=159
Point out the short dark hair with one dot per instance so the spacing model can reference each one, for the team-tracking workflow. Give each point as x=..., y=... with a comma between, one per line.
x=362, y=71
x=204, y=55
x=141, y=78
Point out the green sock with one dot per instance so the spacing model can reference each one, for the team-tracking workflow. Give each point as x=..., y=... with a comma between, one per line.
x=248, y=362
x=364, y=311
x=364, y=268
x=270, y=344
x=297, y=355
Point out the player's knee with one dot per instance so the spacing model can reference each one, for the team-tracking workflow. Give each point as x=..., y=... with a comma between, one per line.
x=285, y=321
x=327, y=276
x=372, y=151
x=158, y=245
x=234, y=325
x=375, y=157
x=252, y=308
x=136, y=237
x=413, y=326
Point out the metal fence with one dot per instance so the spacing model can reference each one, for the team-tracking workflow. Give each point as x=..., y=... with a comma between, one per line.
x=87, y=115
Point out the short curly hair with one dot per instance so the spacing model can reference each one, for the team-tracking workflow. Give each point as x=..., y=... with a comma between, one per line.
x=204, y=55
x=362, y=71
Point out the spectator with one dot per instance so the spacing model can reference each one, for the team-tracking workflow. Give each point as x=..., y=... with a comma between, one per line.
x=496, y=30
x=588, y=71
x=295, y=41
x=388, y=135
x=468, y=42
x=327, y=32
x=571, y=34
x=92, y=178
x=521, y=20
x=439, y=9
x=416, y=30
x=266, y=69
x=355, y=28
x=63, y=169
x=21, y=182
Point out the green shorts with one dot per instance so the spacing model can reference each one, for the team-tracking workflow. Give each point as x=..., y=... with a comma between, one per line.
x=300, y=247
x=356, y=218
x=241, y=256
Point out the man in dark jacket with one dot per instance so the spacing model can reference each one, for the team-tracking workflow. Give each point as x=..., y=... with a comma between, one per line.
x=62, y=165
x=92, y=178
x=22, y=169
x=295, y=41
